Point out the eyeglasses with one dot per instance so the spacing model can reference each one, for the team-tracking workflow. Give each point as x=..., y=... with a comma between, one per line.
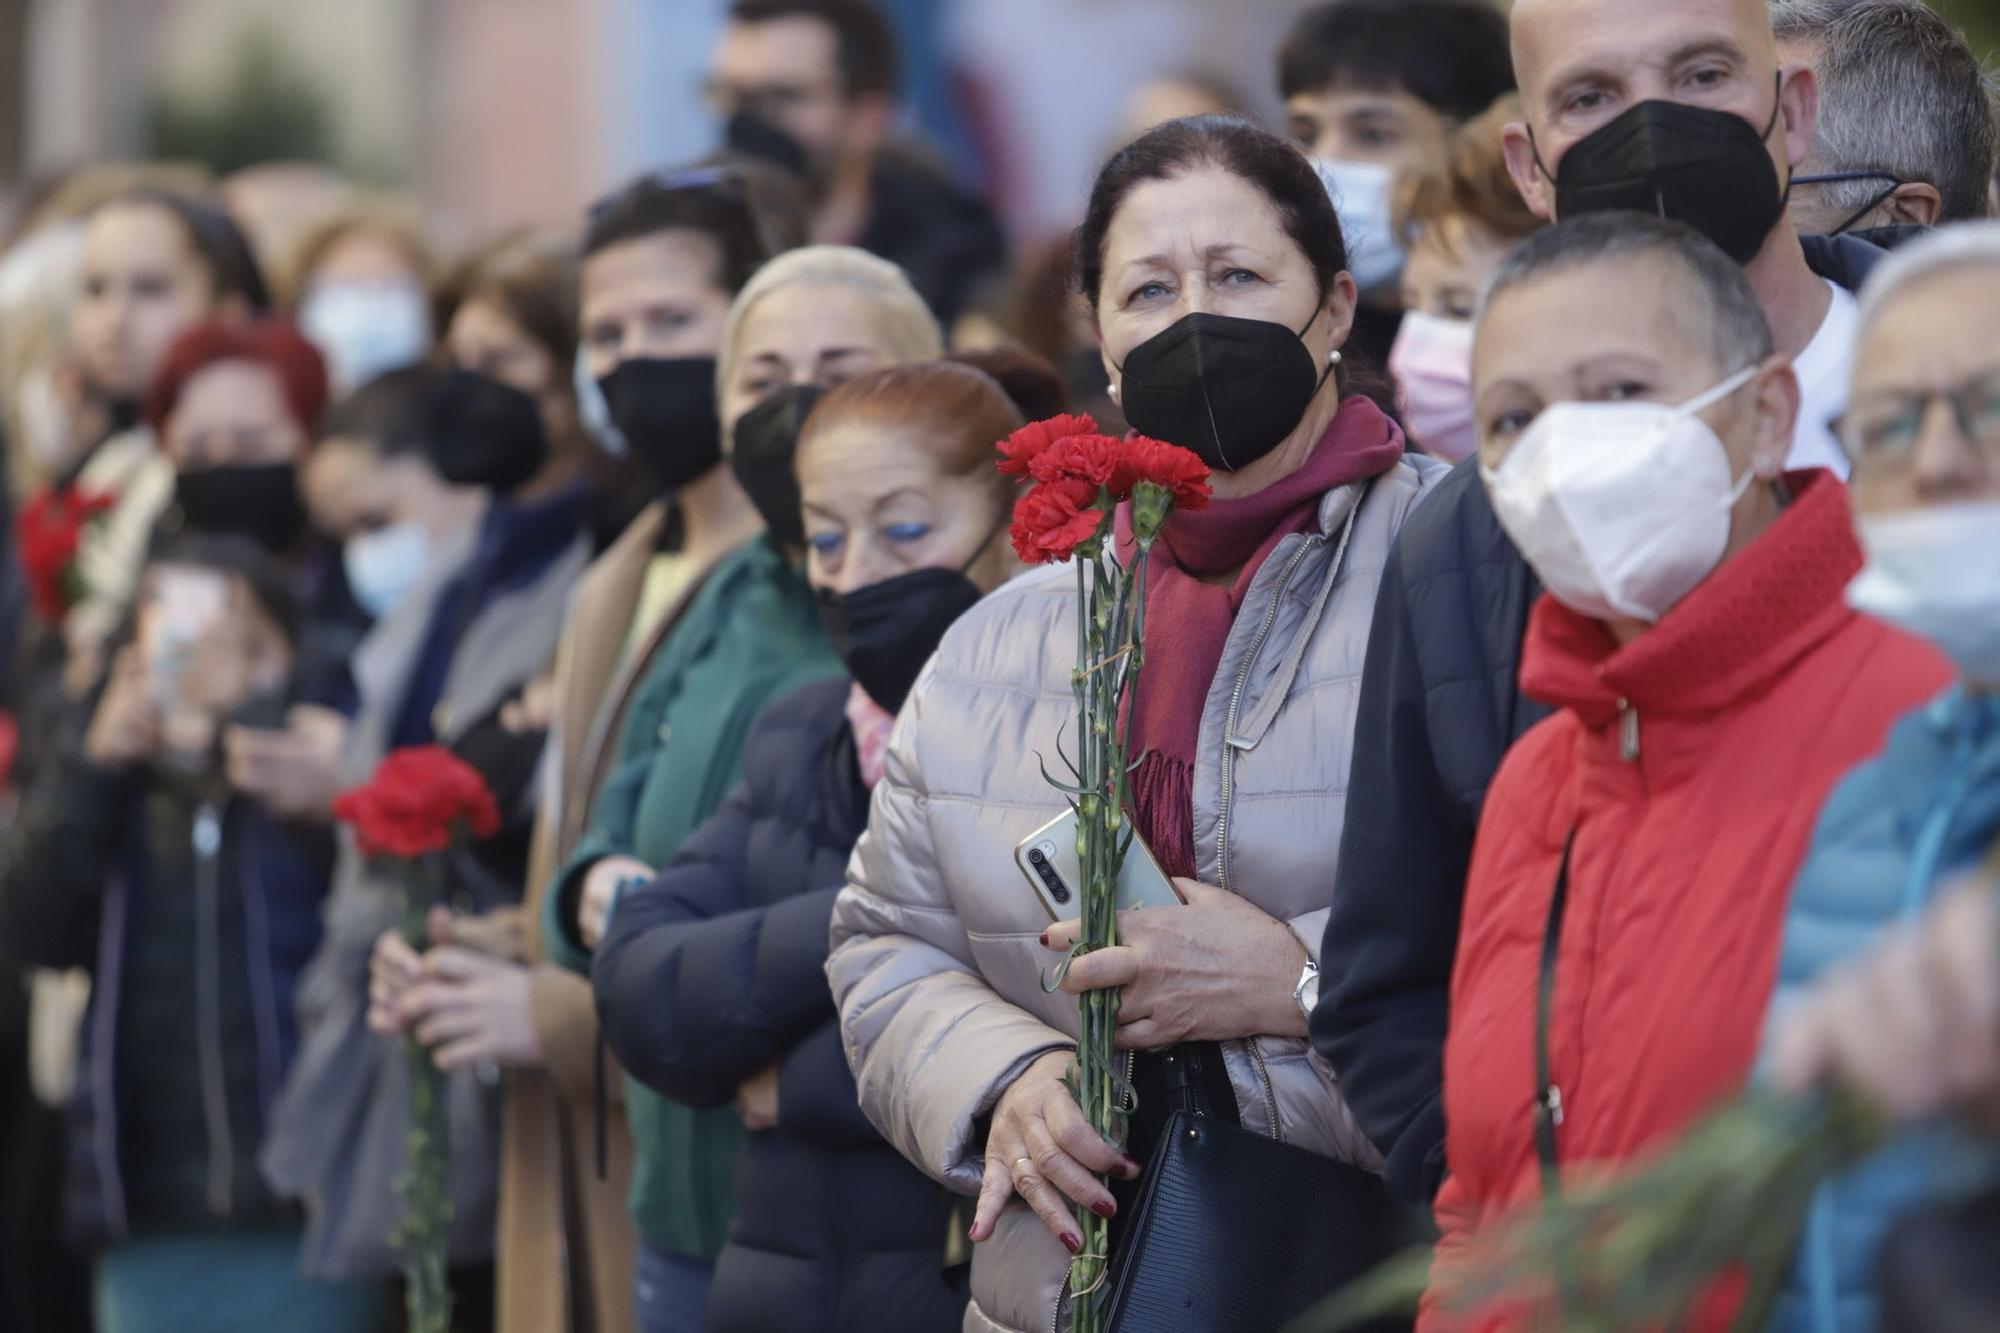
x=1880, y=432
x=726, y=183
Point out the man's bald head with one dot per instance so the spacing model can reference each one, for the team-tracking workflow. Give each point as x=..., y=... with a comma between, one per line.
x=1582, y=63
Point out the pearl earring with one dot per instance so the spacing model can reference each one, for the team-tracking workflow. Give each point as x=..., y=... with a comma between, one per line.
x=1112, y=389
x=1333, y=357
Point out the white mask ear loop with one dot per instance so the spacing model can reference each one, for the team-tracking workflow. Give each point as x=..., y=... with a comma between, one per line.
x=1708, y=399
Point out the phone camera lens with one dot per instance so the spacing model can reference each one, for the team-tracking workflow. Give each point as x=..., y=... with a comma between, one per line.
x=1035, y=857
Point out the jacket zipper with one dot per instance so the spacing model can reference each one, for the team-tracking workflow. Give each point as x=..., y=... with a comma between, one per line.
x=1229, y=790
x=207, y=844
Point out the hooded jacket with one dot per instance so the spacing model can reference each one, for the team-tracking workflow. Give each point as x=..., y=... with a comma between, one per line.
x=1899, y=830
x=1439, y=709
x=1685, y=772
x=937, y=962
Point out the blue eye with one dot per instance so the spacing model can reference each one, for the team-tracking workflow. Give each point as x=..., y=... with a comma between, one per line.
x=907, y=532
x=826, y=543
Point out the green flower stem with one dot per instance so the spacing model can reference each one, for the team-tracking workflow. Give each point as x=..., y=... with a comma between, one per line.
x=424, y=1233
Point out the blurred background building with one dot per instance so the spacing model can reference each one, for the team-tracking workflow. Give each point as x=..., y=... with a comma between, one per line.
x=509, y=111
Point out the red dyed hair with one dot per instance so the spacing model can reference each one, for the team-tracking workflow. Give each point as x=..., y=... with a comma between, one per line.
x=272, y=343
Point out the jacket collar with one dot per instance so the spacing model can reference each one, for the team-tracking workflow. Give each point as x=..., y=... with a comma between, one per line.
x=1947, y=751
x=1744, y=626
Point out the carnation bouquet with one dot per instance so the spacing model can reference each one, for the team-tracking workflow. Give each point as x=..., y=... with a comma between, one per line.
x=421, y=803
x=1080, y=478
x=49, y=529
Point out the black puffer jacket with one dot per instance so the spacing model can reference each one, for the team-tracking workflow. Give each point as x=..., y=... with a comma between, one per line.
x=712, y=974
x=1438, y=708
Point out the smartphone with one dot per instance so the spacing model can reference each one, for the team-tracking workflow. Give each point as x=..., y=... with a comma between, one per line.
x=1048, y=858
x=183, y=603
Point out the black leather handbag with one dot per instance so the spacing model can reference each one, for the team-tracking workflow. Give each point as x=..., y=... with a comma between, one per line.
x=1234, y=1232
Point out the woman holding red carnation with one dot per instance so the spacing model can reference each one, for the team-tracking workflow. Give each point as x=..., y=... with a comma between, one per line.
x=1214, y=262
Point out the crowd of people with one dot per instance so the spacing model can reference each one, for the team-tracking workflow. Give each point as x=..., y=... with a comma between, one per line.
x=1575, y=705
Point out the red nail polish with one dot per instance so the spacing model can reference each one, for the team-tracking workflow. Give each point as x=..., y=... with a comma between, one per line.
x=1073, y=1243
x=1045, y=939
x=1103, y=1208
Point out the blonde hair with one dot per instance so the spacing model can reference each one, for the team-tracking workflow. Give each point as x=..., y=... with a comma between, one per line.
x=911, y=328
x=389, y=216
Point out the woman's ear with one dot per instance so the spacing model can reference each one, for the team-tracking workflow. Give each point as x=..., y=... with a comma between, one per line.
x=1776, y=402
x=1341, y=300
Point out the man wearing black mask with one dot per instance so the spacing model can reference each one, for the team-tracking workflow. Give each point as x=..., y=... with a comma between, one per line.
x=1681, y=110
x=1905, y=136
x=811, y=85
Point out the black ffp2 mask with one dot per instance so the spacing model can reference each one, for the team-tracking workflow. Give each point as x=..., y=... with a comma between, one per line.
x=665, y=409
x=1707, y=168
x=765, y=443
x=1229, y=389
x=886, y=631
x=486, y=433
x=255, y=500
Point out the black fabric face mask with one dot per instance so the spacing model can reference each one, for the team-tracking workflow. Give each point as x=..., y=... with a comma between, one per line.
x=1707, y=168
x=665, y=409
x=255, y=500
x=1229, y=389
x=766, y=441
x=754, y=135
x=485, y=433
x=886, y=631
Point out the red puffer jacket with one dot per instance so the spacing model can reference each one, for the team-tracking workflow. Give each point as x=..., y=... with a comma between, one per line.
x=1689, y=767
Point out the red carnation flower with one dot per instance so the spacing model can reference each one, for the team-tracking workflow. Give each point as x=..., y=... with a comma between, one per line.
x=1178, y=471
x=1019, y=451
x=421, y=799
x=1054, y=518
x=1097, y=459
x=49, y=532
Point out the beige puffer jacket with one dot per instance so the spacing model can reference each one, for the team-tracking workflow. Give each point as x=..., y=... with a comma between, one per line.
x=937, y=960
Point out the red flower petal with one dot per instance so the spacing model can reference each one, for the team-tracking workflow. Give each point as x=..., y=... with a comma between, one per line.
x=1019, y=450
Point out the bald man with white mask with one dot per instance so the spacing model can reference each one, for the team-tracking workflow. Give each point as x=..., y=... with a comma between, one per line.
x=1678, y=107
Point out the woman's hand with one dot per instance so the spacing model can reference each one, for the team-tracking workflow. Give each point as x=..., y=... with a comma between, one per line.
x=471, y=1007
x=293, y=773
x=1215, y=969
x=599, y=884
x=1042, y=1148
x=393, y=968
x=125, y=730
x=757, y=1101
x=1914, y=1025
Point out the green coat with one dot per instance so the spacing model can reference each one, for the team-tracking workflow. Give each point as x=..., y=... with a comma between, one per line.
x=750, y=635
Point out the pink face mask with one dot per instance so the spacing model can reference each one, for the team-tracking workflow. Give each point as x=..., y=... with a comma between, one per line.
x=1432, y=365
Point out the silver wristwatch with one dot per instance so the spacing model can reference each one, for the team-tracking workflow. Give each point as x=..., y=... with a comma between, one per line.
x=1306, y=993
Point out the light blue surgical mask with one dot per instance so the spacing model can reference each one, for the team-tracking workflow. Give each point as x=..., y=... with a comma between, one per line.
x=366, y=328
x=383, y=565
x=1362, y=193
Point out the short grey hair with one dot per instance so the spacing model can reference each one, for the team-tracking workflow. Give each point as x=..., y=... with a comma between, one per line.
x=912, y=330
x=1901, y=93
x=1959, y=246
x=1737, y=329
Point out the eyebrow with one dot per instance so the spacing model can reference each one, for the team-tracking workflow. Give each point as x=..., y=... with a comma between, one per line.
x=1219, y=250
x=898, y=494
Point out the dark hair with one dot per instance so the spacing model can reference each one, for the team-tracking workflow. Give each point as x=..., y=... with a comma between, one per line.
x=1280, y=173
x=726, y=203
x=1027, y=379
x=214, y=237
x=1901, y=93
x=1738, y=331
x=272, y=343
x=864, y=40
x=533, y=280
x=265, y=574
x=1452, y=55
x=390, y=413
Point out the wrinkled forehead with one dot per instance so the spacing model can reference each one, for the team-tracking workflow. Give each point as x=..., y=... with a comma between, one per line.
x=1557, y=42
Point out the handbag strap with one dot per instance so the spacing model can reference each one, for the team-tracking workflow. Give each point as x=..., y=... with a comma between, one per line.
x=1184, y=1085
